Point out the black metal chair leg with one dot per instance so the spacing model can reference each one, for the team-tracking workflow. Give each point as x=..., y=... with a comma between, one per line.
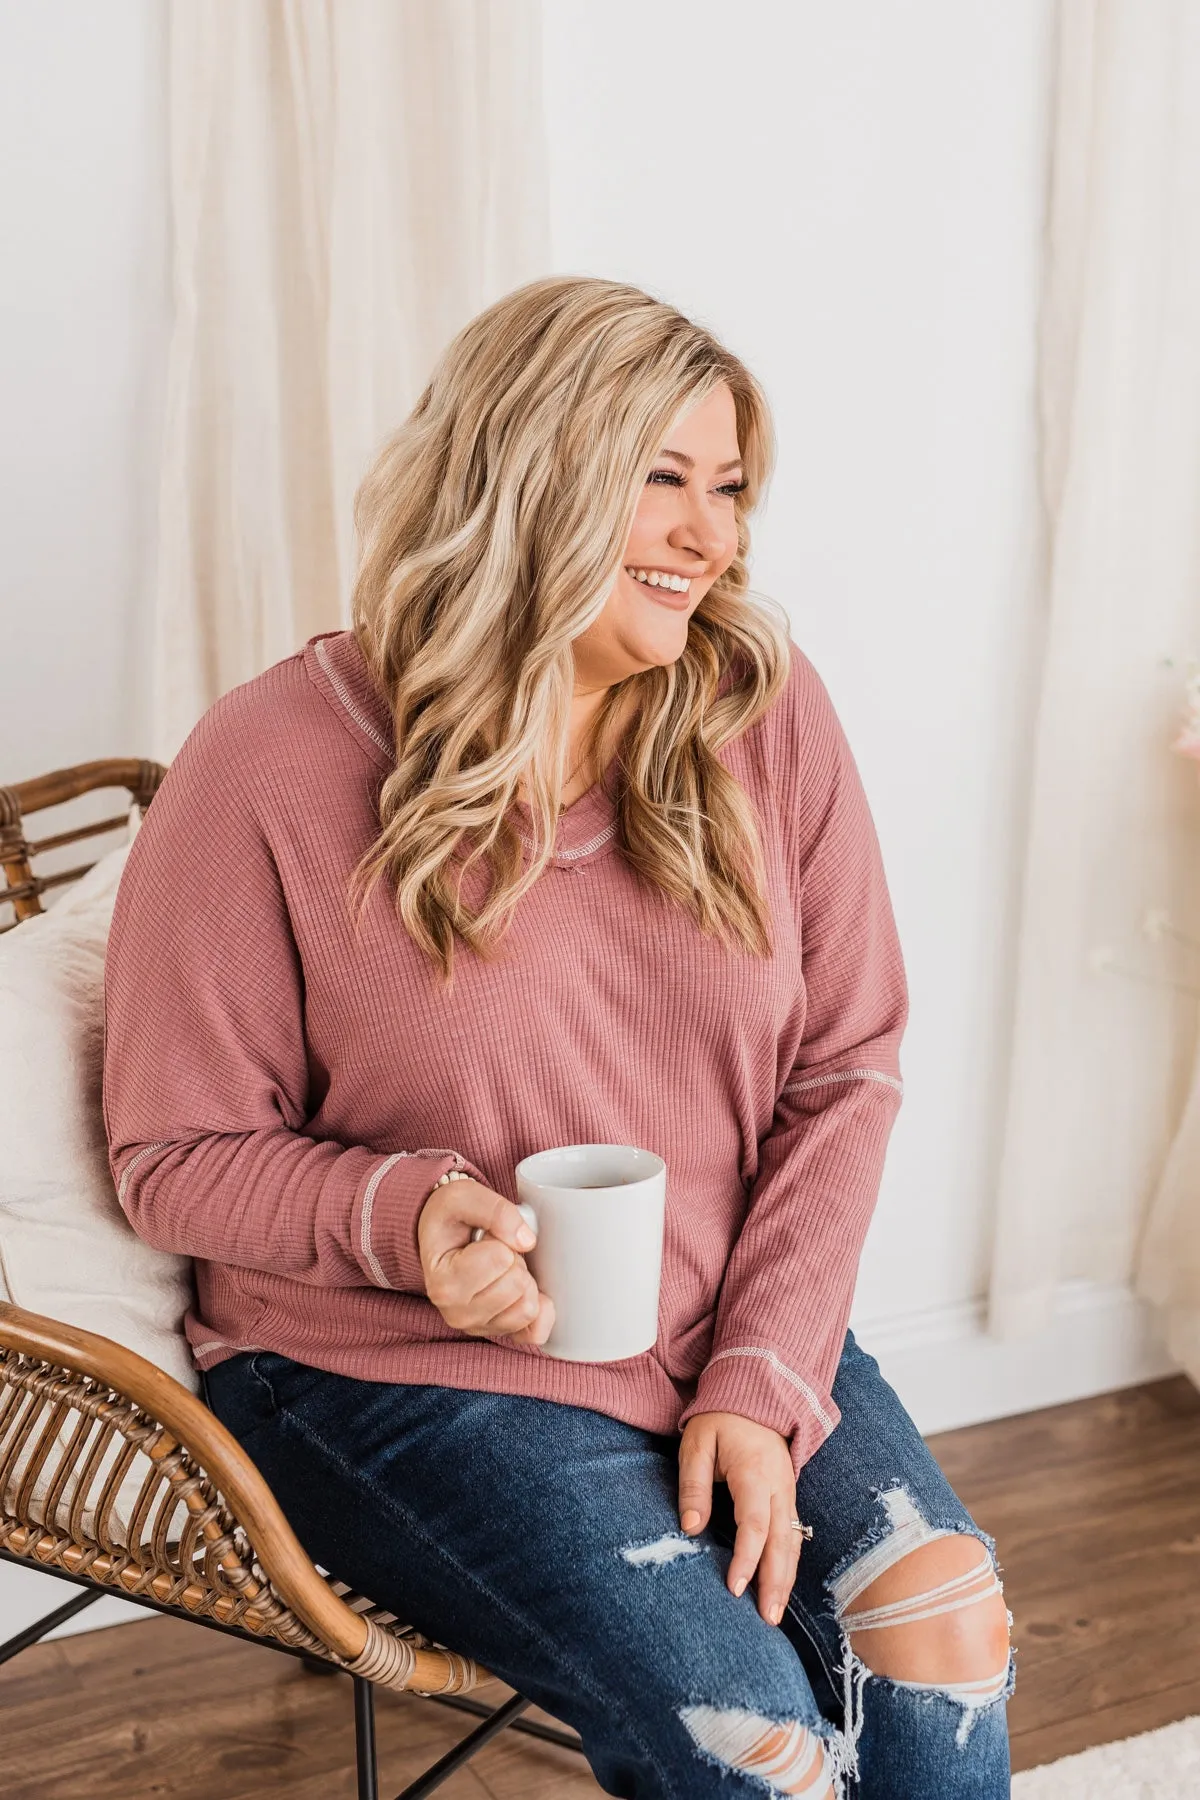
x=32, y=1634
x=454, y=1759
x=364, y=1739
x=548, y=1733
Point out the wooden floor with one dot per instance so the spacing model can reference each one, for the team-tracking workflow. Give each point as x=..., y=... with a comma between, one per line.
x=1095, y=1506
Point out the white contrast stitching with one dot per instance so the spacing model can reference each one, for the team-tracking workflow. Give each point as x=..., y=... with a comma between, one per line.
x=364, y=1228
x=131, y=1165
x=201, y=1350
x=781, y=1369
x=368, y=1205
x=339, y=687
x=365, y=726
x=601, y=837
x=796, y=1087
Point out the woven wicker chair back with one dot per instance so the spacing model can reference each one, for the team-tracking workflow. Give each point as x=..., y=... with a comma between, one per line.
x=22, y=889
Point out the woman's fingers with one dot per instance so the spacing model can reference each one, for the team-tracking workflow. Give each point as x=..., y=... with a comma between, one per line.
x=500, y=1308
x=507, y=1304
x=477, y=1268
x=491, y=1293
x=756, y=1464
x=480, y=1285
x=697, y=1466
x=458, y=1278
x=453, y=1212
x=752, y=1511
x=540, y=1327
x=780, y=1558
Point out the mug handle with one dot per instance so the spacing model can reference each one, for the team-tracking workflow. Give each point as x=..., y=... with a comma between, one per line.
x=527, y=1213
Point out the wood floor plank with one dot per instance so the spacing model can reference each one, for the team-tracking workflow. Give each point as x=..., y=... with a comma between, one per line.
x=26, y=1679
x=1067, y=1737
x=186, y=1715
x=1095, y=1507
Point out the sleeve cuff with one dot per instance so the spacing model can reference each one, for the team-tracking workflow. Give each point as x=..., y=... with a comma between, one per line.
x=387, y=1207
x=754, y=1381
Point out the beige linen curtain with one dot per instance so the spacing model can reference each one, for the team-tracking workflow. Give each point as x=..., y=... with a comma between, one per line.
x=350, y=180
x=1105, y=1018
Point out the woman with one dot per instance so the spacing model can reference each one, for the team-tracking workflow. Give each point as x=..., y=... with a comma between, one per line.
x=561, y=843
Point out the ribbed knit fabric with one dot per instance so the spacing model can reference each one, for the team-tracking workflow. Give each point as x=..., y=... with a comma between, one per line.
x=280, y=1098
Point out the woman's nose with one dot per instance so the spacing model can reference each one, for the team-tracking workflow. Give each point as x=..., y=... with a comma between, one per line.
x=699, y=533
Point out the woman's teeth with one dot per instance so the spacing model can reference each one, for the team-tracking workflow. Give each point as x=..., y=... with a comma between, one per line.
x=678, y=584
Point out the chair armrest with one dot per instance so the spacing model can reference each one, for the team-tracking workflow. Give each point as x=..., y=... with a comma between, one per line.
x=233, y=1528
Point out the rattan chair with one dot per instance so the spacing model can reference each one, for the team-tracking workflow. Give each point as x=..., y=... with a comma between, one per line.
x=205, y=1540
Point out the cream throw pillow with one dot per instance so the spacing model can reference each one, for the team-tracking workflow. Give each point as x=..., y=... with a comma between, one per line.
x=66, y=1248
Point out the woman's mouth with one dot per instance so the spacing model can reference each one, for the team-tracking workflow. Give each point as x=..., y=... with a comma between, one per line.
x=664, y=586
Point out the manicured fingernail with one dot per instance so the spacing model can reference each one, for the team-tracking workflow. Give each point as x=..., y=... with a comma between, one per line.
x=690, y=1521
x=525, y=1238
x=739, y=1586
x=776, y=1613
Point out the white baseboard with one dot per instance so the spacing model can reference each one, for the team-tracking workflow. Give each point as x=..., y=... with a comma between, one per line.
x=949, y=1371
x=943, y=1364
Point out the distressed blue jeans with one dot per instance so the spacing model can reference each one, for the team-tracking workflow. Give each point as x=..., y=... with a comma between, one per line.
x=544, y=1541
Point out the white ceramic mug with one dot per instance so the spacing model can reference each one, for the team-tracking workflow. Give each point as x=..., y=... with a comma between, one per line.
x=598, y=1212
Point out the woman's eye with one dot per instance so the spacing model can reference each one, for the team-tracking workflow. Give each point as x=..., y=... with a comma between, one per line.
x=672, y=478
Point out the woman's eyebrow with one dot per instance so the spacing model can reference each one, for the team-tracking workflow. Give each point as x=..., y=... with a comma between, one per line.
x=689, y=462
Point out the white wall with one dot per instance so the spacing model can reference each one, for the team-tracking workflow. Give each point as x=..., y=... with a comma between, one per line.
x=83, y=319
x=83, y=322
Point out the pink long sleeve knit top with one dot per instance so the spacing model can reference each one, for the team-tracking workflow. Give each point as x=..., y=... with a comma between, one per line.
x=280, y=1098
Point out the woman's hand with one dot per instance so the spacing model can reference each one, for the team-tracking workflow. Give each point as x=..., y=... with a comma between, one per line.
x=483, y=1288
x=757, y=1466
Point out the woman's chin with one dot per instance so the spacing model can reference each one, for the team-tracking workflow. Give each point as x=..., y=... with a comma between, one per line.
x=660, y=643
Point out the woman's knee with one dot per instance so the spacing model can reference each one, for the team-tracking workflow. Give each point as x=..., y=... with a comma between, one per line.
x=935, y=1616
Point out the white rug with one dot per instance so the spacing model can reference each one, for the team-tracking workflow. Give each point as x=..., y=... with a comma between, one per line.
x=1158, y=1765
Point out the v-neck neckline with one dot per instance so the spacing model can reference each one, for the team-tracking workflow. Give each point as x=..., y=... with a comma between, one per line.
x=586, y=825
x=335, y=662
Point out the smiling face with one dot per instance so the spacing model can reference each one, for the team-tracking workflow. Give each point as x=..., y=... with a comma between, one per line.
x=683, y=538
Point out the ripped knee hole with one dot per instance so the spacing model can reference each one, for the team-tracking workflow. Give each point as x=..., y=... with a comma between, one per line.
x=925, y=1607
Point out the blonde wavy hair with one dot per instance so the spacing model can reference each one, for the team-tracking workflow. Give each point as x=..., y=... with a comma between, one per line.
x=492, y=527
